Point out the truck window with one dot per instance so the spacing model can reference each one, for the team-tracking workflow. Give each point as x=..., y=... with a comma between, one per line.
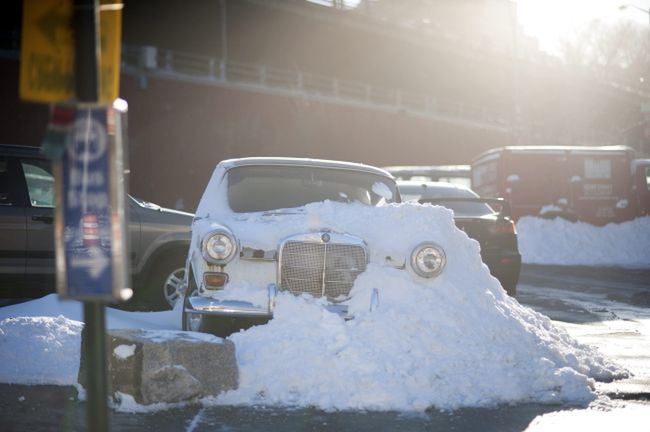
x=40, y=183
x=598, y=169
x=484, y=178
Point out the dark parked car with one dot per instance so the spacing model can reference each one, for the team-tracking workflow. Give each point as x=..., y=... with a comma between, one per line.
x=159, y=238
x=494, y=230
x=457, y=174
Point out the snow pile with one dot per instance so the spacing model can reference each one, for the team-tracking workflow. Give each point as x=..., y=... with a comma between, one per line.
x=453, y=341
x=449, y=347
x=36, y=350
x=560, y=242
x=630, y=418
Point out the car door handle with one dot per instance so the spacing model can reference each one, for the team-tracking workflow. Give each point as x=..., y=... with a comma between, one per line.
x=43, y=218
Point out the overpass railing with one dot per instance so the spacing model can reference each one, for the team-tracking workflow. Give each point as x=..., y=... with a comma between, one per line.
x=196, y=67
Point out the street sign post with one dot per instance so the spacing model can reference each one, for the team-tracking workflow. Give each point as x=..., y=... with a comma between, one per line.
x=89, y=234
x=70, y=55
x=48, y=51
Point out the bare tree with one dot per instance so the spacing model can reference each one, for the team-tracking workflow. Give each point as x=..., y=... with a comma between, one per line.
x=620, y=51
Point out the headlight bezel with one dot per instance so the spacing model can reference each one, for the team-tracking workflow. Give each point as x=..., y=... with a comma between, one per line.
x=205, y=247
x=416, y=262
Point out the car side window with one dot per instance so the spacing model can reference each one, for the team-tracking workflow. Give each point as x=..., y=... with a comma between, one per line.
x=40, y=182
x=5, y=183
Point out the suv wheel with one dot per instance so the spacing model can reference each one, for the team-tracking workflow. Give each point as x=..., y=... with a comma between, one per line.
x=165, y=285
x=173, y=286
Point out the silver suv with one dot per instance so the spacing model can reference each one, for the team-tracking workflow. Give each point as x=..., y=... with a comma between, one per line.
x=159, y=237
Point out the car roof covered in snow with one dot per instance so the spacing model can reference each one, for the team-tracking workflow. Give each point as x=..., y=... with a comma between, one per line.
x=305, y=162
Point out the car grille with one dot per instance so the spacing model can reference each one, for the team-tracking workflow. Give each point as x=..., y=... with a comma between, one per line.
x=321, y=269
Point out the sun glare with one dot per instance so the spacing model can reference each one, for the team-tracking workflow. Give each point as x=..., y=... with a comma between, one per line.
x=551, y=21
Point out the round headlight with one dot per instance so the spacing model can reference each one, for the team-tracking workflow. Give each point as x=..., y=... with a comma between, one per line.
x=219, y=247
x=428, y=260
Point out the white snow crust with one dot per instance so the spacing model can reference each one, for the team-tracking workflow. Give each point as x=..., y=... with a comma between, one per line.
x=560, y=242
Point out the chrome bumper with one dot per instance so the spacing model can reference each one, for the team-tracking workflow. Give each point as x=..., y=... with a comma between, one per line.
x=240, y=309
x=198, y=305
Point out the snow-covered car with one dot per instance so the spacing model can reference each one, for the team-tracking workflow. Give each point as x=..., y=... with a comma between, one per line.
x=245, y=247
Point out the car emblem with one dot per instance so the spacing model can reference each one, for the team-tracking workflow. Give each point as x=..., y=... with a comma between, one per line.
x=325, y=237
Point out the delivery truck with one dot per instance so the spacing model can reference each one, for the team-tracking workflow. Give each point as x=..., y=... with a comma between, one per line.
x=598, y=185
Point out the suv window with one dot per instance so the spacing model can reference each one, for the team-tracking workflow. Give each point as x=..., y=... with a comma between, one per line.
x=5, y=183
x=40, y=183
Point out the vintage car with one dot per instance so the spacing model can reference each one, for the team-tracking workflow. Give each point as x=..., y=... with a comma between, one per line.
x=236, y=250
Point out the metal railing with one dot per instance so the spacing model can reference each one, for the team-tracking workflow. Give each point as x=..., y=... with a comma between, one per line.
x=294, y=82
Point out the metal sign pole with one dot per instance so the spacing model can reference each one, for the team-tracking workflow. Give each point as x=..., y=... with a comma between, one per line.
x=85, y=26
x=61, y=63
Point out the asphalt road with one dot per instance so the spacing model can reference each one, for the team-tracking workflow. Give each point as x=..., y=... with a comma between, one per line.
x=609, y=308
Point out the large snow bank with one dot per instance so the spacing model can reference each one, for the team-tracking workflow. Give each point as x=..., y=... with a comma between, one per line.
x=560, y=242
x=454, y=341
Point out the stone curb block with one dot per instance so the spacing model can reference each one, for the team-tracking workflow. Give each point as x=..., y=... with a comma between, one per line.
x=167, y=366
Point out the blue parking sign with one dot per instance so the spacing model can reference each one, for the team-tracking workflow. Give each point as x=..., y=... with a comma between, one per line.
x=89, y=227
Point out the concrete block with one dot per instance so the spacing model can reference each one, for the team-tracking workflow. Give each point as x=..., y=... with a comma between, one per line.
x=168, y=366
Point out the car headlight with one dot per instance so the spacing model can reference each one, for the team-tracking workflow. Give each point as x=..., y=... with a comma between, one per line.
x=219, y=247
x=428, y=260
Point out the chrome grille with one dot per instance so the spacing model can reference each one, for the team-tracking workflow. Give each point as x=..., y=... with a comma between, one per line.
x=320, y=269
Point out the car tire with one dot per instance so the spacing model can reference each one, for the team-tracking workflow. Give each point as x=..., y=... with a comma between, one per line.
x=511, y=288
x=509, y=283
x=165, y=285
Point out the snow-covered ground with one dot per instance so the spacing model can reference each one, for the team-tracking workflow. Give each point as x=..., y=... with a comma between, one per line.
x=455, y=341
x=558, y=241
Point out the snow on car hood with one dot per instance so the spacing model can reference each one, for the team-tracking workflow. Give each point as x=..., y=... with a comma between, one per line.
x=382, y=228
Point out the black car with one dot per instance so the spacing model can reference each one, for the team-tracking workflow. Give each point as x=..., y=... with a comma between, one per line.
x=494, y=230
x=159, y=238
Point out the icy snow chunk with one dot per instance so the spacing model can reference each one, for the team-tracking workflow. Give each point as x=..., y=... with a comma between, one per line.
x=124, y=351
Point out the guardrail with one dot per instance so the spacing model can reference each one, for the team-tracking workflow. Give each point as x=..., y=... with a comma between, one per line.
x=204, y=68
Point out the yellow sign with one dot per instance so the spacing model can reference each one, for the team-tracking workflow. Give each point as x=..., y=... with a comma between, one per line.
x=47, y=51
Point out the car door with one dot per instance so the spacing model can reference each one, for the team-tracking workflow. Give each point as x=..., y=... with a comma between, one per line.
x=13, y=230
x=40, y=264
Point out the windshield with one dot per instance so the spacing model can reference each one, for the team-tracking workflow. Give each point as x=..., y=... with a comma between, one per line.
x=264, y=188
